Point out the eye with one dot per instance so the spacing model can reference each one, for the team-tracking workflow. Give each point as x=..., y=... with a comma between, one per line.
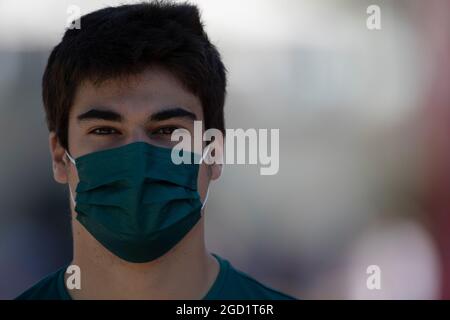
x=165, y=130
x=104, y=131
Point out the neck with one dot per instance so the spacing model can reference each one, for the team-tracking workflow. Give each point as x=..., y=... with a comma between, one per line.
x=187, y=271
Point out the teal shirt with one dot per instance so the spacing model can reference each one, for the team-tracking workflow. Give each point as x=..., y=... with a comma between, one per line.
x=230, y=284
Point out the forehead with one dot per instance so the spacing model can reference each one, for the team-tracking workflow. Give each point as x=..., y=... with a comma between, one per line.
x=139, y=95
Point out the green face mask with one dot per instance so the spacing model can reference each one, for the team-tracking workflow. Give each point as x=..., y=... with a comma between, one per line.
x=135, y=201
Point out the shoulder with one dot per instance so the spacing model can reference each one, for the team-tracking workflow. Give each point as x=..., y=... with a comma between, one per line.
x=49, y=288
x=235, y=284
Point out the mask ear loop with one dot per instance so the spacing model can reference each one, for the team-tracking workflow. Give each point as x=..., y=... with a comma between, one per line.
x=206, y=199
x=70, y=158
x=204, y=155
x=71, y=198
x=70, y=190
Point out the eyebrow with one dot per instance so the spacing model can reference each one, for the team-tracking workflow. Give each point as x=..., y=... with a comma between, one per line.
x=98, y=114
x=109, y=115
x=175, y=112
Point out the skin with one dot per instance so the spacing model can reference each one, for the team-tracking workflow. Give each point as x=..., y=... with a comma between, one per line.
x=188, y=270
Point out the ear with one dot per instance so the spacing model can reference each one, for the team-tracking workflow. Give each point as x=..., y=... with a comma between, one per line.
x=216, y=171
x=214, y=158
x=59, y=160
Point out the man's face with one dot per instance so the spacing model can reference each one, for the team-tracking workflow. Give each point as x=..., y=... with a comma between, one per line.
x=148, y=108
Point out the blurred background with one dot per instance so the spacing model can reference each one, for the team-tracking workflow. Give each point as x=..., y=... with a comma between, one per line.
x=364, y=119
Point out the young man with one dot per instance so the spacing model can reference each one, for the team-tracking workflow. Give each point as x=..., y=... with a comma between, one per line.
x=114, y=91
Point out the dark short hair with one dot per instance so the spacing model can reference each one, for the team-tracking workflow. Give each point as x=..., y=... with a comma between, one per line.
x=122, y=41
